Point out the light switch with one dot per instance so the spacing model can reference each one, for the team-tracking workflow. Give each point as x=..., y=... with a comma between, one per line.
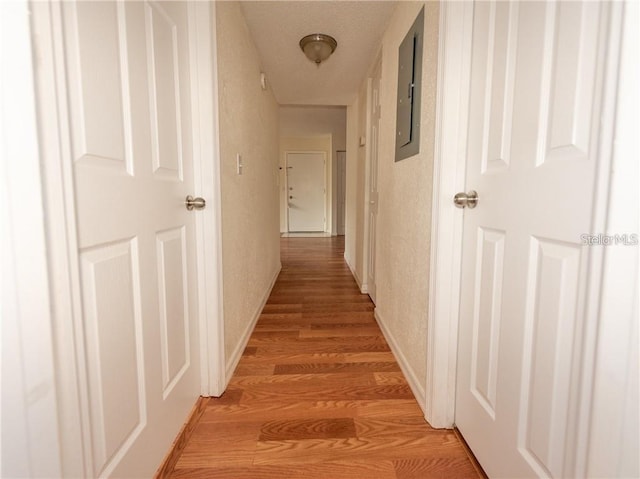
x=239, y=164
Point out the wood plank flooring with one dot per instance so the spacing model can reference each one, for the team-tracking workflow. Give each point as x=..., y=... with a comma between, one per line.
x=318, y=393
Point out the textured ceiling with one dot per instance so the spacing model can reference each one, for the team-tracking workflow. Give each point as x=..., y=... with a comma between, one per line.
x=278, y=26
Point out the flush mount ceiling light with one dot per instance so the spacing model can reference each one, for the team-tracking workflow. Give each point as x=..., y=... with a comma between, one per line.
x=318, y=47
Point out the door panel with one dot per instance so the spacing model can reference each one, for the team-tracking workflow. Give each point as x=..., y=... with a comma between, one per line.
x=568, y=82
x=174, y=310
x=98, y=91
x=487, y=316
x=114, y=346
x=531, y=156
x=549, y=335
x=164, y=92
x=306, y=191
x=128, y=76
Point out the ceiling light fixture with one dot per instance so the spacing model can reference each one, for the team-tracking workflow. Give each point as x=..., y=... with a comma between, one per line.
x=318, y=47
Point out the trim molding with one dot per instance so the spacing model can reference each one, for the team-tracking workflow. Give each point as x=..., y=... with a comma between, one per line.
x=206, y=159
x=454, y=58
x=33, y=436
x=169, y=462
x=610, y=297
x=417, y=389
x=234, y=359
x=367, y=173
x=62, y=247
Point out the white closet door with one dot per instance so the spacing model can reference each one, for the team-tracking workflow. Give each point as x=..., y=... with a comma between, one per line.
x=127, y=73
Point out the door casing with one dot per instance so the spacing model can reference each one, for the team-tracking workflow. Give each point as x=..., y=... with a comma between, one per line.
x=454, y=66
x=341, y=175
x=370, y=203
x=30, y=424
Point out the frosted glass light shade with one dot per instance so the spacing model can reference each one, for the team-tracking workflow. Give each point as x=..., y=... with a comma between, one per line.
x=318, y=46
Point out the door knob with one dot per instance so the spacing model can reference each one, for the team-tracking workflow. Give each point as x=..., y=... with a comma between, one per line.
x=195, y=203
x=468, y=200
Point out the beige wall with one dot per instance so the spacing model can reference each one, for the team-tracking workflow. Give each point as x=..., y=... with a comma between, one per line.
x=313, y=143
x=314, y=121
x=404, y=204
x=248, y=126
x=405, y=188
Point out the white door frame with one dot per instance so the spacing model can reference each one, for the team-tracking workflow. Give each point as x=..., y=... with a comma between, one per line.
x=446, y=237
x=59, y=209
x=341, y=181
x=454, y=62
x=64, y=271
x=616, y=389
x=327, y=229
x=362, y=282
x=29, y=391
x=206, y=147
x=377, y=64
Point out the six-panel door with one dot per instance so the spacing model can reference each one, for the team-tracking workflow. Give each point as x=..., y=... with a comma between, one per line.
x=536, y=78
x=128, y=76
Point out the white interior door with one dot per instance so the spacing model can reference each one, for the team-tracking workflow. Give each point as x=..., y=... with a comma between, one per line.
x=536, y=83
x=306, y=191
x=342, y=177
x=373, y=183
x=127, y=72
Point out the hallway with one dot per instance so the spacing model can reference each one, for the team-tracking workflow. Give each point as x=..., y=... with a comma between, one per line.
x=318, y=393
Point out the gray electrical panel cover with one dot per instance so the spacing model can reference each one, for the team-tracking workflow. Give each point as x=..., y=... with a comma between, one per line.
x=409, y=91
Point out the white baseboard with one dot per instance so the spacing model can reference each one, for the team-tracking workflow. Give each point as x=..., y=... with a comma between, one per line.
x=233, y=361
x=361, y=285
x=416, y=387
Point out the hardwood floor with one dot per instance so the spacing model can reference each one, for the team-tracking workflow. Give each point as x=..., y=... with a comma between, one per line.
x=318, y=393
